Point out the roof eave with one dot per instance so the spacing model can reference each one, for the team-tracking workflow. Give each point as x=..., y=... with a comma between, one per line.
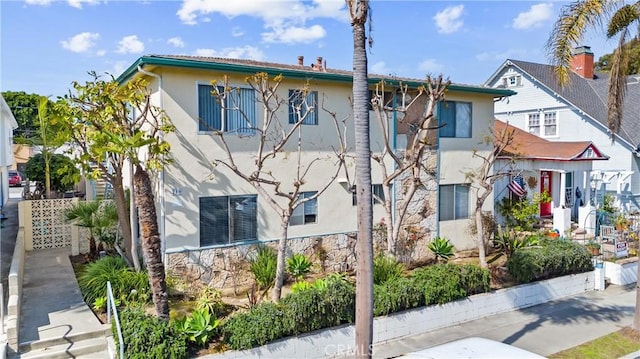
x=242, y=68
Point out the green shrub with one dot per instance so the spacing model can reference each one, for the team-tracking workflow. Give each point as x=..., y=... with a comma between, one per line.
x=147, y=337
x=552, y=258
x=317, y=307
x=210, y=299
x=262, y=324
x=436, y=284
x=443, y=283
x=298, y=265
x=385, y=269
x=93, y=281
x=263, y=266
x=199, y=326
x=396, y=295
x=442, y=248
x=509, y=241
x=300, y=286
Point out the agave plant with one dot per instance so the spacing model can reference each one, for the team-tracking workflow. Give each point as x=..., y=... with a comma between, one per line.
x=298, y=265
x=442, y=248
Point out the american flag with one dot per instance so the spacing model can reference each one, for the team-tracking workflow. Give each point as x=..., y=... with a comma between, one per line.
x=517, y=186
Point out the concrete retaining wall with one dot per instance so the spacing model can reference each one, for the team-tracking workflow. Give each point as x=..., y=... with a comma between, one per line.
x=15, y=291
x=339, y=341
x=621, y=273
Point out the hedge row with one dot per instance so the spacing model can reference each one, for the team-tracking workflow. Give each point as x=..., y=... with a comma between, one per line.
x=310, y=309
x=436, y=284
x=322, y=307
x=552, y=258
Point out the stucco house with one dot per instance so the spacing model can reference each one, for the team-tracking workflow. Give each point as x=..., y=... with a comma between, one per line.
x=7, y=125
x=562, y=169
x=576, y=112
x=210, y=218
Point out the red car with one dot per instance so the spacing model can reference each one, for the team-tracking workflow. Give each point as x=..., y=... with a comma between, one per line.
x=15, y=179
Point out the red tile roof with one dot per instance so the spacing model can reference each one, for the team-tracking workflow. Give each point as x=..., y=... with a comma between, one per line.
x=529, y=146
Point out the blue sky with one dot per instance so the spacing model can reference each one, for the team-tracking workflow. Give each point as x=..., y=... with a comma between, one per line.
x=46, y=44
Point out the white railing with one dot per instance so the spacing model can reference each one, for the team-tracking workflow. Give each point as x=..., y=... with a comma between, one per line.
x=111, y=305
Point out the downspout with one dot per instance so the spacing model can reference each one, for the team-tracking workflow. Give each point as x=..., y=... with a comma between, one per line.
x=393, y=146
x=161, y=199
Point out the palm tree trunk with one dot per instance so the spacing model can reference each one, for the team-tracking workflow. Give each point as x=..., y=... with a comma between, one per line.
x=47, y=174
x=282, y=252
x=151, y=242
x=364, y=243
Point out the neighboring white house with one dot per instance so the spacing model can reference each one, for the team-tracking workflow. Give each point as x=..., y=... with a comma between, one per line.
x=208, y=222
x=559, y=168
x=576, y=112
x=7, y=125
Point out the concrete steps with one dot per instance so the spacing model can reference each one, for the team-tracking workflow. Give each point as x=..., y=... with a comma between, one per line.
x=89, y=344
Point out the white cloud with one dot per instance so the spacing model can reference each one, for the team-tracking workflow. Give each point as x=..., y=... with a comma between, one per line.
x=176, y=41
x=119, y=67
x=501, y=56
x=130, y=45
x=81, y=42
x=78, y=3
x=535, y=17
x=236, y=31
x=448, y=20
x=380, y=68
x=74, y=3
x=101, y=52
x=284, y=21
x=294, y=34
x=38, y=2
x=430, y=66
x=242, y=52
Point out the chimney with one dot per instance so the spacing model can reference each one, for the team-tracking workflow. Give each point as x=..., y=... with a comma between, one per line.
x=300, y=60
x=582, y=62
x=318, y=63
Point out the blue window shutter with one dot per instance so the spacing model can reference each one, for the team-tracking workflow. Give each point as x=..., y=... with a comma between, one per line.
x=209, y=109
x=233, y=116
x=447, y=118
x=293, y=103
x=214, y=220
x=312, y=101
x=248, y=105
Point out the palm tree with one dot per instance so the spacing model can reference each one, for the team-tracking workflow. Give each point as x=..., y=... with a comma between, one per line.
x=570, y=27
x=151, y=241
x=573, y=22
x=83, y=214
x=359, y=13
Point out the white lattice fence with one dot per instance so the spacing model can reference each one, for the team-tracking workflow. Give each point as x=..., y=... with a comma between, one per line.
x=44, y=224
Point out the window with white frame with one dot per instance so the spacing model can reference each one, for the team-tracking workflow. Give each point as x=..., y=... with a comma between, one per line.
x=234, y=111
x=376, y=191
x=306, y=212
x=550, y=124
x=512, y=81
x=301, y=105
x=453, y=202
x=228, y=219
x=455, y=119
x=533, y=123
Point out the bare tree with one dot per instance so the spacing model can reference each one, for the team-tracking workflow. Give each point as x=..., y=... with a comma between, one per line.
x=484, y=177
x=415, y=109
x=275, y=142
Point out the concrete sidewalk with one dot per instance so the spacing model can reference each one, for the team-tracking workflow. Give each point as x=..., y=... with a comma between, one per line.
x=543, y=329
x=52, y=305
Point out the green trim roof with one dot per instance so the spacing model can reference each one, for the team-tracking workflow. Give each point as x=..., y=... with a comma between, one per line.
x=291, y=71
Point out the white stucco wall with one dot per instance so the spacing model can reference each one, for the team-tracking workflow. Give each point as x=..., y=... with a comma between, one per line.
x=456, y=159
x=192, y=175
